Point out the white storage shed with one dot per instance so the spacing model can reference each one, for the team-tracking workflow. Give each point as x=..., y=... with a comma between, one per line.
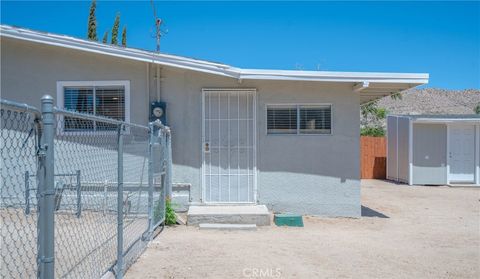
x=434, y=149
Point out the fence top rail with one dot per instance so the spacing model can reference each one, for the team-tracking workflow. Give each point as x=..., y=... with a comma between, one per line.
x=97, y=118
x=20, y=107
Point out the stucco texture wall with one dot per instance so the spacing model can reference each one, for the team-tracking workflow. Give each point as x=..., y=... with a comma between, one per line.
x=306, y=174
x=31, y=70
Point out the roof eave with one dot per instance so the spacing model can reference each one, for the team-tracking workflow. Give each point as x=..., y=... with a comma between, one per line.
x=206, y=66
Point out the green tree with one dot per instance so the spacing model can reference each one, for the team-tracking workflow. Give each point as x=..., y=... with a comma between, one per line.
x=477, y=109
x=105, y=37
x=116, y=26
x=124, y=36
x=92, y=22
x=381, y=113
x=369, y=108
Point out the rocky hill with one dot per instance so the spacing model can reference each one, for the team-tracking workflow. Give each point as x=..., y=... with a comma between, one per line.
x=428, y=101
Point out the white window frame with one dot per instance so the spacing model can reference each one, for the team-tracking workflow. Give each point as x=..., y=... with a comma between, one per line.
x=92, y=83
x=298, y=105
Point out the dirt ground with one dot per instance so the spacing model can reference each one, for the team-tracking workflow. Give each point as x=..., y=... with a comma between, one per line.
x=405, y=232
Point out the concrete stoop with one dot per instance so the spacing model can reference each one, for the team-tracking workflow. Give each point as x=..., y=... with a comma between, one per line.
x=228, y=214
x=228, y=227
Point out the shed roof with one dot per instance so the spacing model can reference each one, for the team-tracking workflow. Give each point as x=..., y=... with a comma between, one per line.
x=446, y=118
x=370, y=85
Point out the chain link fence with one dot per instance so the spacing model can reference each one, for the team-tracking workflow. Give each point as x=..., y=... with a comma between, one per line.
x=81, y=195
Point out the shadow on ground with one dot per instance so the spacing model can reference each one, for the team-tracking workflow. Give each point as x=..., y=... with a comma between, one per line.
x=368, y=212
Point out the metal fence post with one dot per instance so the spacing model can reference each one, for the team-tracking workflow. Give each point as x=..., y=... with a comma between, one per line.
x=79, y=195
x=27, y=193
x=168, y=180
x=119, y=273
x=150, y=178
x=46, y=189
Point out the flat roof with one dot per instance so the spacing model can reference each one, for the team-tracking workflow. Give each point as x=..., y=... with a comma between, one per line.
x=370, y=85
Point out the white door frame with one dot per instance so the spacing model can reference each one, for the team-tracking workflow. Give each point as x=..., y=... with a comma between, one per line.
x=254, y=143
x=476, y=179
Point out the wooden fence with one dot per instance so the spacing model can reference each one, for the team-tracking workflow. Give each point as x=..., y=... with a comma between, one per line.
x=373, y=154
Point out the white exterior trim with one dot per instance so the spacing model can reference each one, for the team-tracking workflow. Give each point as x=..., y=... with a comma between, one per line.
x=60, y=97
x=202, y=151
x=410, y=152
x=446, y=120
x=386, y=148
x=396, y=150
x=448, y=154
x=477, y=157
x=408, y=79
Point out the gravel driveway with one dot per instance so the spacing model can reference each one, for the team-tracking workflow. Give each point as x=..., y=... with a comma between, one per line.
x=406, y=232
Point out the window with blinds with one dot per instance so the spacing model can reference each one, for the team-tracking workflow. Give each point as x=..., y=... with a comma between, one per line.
x=108, y=101
x=299, y=119
x=315, y=119
x=281, y=120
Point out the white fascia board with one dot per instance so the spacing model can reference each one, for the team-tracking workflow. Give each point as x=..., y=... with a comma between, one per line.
x=447, y=120
x=42, y=37
x=127, y=53
x=411, y=82
x=206, y=66
x=356, y=75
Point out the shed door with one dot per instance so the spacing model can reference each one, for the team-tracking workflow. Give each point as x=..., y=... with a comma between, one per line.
x=462, y=153
x=228, y=146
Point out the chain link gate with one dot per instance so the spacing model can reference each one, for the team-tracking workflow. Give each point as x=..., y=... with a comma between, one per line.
x=81, y=195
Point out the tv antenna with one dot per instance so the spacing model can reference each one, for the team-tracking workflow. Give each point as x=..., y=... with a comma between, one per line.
x=158, y=24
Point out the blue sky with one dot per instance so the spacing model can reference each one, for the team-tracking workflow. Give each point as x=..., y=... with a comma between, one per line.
x=440, y=38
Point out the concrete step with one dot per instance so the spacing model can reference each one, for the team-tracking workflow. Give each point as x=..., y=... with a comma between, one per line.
x=228, y=214
x=228, y=227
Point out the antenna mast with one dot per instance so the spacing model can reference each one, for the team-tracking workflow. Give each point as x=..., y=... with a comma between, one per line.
x=158, y=23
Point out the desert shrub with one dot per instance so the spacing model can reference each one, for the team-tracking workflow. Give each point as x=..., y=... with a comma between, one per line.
x=372, y=131
x=170, y=217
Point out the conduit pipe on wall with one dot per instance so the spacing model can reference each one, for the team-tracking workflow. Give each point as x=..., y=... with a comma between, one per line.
x=158, y=77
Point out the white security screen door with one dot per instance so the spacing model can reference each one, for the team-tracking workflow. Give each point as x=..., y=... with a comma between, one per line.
x=228, y=146
x=462, y=153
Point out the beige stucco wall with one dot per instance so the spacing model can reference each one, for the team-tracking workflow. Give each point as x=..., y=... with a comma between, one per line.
x=30, y=70
x=314, y=174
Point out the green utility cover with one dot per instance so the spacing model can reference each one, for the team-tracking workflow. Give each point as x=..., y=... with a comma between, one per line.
x=288, y=220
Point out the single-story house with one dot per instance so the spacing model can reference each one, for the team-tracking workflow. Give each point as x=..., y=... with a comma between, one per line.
x=434, y=149
x=286, y=139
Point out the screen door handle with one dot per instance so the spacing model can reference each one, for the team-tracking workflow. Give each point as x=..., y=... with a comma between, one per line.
x=207, y=147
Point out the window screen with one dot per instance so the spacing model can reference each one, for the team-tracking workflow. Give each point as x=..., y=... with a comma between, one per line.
x=109, y=102
x=315, y=119
x=299, y=119
x=282, y=120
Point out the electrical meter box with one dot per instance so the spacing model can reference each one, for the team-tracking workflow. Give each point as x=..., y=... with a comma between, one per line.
x=158, y=110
